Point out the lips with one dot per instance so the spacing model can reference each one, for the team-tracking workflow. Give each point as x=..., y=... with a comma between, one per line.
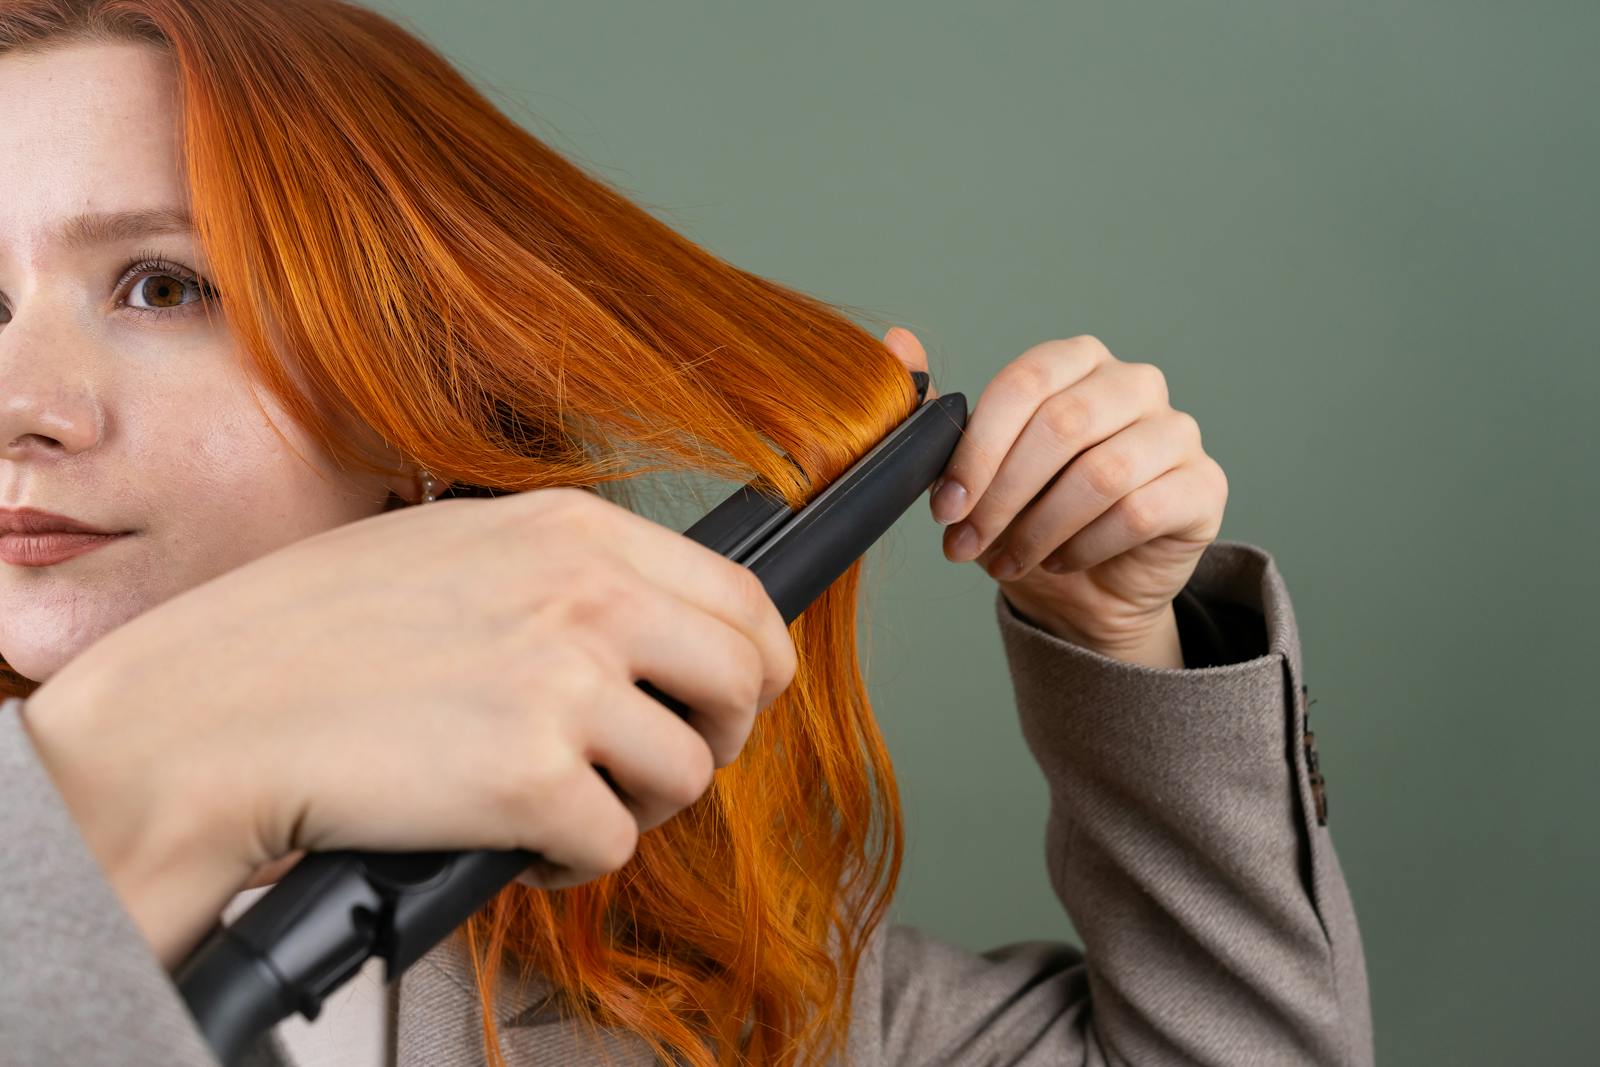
x=35, y=521
x=30, y=537
x=43, y=550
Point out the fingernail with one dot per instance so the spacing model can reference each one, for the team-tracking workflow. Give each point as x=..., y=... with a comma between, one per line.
x=1054, y=565
x=964, y=545
x=949, y=502
x=1004, y=567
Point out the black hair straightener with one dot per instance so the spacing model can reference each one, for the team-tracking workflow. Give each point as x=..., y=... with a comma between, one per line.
x=333, y=911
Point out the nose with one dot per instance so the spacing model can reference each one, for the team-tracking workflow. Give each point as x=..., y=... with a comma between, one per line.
x=49, y=405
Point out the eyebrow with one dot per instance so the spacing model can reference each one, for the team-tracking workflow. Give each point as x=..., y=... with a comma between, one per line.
x=82, y=231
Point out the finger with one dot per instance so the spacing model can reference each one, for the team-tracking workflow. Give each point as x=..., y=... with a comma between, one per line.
x=659, y=763
x=1002, y=410
x=1113, y=396
x=587, y=833
x=1180, y=503
x=1095, y=481
x=700, y=577
x=908, y=349
x=689, y=654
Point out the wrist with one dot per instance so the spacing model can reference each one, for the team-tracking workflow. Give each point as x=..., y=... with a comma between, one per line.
x=1159, y=645
x=161, y=859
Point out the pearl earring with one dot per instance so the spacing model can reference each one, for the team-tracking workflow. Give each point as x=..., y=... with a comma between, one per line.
x=430, y=487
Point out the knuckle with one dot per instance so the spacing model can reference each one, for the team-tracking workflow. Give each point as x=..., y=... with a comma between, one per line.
x=1150, y=378
x=552, y=499
x=1221, y=476
x=753, y=604
x=518, y=789
x=1090, y=344
x=1188, y=425
x=1065, y=417
x=1141, y=517
x=1027, y=377
x=1082, y=350
x=694, y=774
x=575, y=673
x=577, y=513
x=594, y=596
x=1068, y=556
x=617, y=841
x=752, y=677
x=1025, y=546
x=789, y=663
x=1107, y=473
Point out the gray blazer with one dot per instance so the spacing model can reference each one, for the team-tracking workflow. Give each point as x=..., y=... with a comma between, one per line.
x=1183, y=840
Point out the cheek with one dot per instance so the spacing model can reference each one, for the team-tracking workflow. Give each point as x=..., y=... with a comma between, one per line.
x=242, y=484
x=208, y=486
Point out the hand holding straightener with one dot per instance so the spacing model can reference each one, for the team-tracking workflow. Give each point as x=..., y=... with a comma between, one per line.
x=534, y=795
x=336, y=702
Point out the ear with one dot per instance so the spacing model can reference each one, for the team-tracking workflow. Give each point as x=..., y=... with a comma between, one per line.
x=407, y=487
x=904, y=344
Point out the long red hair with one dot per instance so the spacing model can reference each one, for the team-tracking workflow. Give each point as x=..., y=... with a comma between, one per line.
x=392, y=248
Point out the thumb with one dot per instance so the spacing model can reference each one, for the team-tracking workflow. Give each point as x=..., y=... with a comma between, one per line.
x=904, y=344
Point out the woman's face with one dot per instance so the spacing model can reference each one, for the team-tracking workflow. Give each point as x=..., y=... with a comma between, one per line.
x=119, y=405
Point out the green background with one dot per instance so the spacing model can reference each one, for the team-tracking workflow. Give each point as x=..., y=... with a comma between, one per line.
x=1358, y=237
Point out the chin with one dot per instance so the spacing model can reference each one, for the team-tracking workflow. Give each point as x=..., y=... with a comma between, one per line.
x=48, y=639
x=28, y=666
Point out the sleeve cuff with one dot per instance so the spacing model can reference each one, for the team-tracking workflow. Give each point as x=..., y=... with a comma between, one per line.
x=1229, y=718
x=1234, y=609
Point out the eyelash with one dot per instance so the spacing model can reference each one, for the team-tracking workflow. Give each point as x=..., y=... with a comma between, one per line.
x=151, y=262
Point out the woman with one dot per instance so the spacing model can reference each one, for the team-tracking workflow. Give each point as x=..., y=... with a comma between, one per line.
x=204, y=197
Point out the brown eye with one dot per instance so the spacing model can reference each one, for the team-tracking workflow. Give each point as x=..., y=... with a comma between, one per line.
x=157, y=286
x=160, y=291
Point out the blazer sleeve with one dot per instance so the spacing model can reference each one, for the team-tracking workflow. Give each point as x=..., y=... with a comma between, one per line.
x=1184, y=841
x=79, y=985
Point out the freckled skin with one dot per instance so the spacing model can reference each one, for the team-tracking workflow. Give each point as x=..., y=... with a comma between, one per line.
x=122, y=420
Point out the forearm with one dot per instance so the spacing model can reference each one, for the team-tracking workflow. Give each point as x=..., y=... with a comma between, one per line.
x=1216, y=926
